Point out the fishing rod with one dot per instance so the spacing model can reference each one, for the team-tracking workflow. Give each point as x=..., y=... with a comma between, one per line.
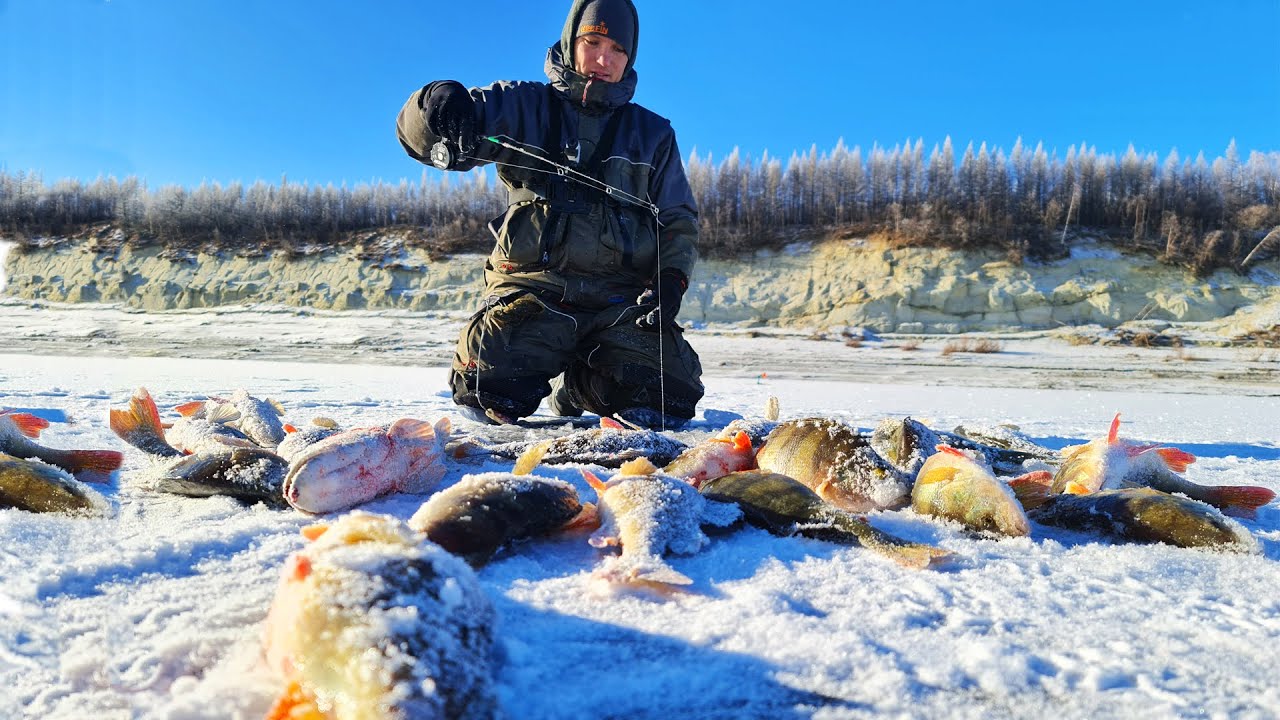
x=445, y=155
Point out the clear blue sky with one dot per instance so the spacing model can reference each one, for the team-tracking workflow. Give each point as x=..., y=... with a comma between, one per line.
x=180, y=91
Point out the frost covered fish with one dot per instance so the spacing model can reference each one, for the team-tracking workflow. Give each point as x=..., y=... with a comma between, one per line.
x=1137, y=514
x=907, y=443
x=650, y=514
x=1111, y=463
x=358, y=465
x=38, y=487
x=836, y=462
x=481, y=513
x=371, y=623
x=1005, y=437
x=715, y=457
x=258, y=419
x=18, y=431
x=609, y=445
x=785, y=507
x=954, y=484
x=247, y=474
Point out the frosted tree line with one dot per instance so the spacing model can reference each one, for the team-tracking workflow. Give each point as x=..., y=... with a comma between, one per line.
x=1030, y=203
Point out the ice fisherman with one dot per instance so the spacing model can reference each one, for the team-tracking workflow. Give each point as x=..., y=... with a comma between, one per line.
x=590, y=266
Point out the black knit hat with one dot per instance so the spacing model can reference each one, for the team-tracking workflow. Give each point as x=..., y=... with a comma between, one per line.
x=614, y=19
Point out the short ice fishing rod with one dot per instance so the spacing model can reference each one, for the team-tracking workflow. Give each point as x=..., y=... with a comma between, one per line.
x=446, y=154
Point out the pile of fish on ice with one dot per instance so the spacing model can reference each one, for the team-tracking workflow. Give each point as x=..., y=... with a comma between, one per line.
x=378, y=617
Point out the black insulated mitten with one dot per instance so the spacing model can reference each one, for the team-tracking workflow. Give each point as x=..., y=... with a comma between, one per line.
x=671, y=285
x=451, y=114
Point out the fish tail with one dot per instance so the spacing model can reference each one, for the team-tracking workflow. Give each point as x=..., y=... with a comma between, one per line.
x=908, y=554
x=915, y=555
x=294, y=704
x=1176, y=459
x=1032, y=489
x=27, y=424
x=1238, y=497
x=142, y=415
x=640, y=570
x=77, y=461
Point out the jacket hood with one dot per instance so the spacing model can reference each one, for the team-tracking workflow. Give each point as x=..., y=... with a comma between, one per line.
x=600, y=97
x=571, y=22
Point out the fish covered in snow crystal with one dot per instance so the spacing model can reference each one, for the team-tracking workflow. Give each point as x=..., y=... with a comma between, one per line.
x=835, y=461
x=786, y=507
x=650, y=514
x=18, y=431
x=358, y=465
x=954, y=484
x=481, y=513
x=37, y=487
x=1110, y=463
x=370, y=622
x=258, y=419
x=716, y=456
x=247, y=474
x=907, y=443
x=609, y=445
x=1136, y=514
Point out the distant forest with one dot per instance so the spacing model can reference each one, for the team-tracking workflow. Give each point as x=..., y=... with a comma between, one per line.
x=1202, y=213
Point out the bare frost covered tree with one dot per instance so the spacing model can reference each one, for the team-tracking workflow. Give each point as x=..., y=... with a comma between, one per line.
x=1200, y=212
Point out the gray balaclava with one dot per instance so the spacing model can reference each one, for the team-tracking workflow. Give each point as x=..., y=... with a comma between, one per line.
x=614, y=19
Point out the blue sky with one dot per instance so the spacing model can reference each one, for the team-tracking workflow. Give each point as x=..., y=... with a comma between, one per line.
x=180, y=91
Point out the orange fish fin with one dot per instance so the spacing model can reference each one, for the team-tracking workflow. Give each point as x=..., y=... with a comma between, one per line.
x=411, y=428
x=289, y=429
x=142, y=413
x=1032, y=489
x=295, y=704
x=1176, y=459
x=595, y=482
x=610, y=424
x=950, y=450
x=1238, y=497
x=92, y=460
x=1114, y=433
x=742, y=441
x=27, y=424
x=638, y=466
x=588, y=518
x=187, y=409
x=1075, y=488
x=311, y=532
x=530, y=458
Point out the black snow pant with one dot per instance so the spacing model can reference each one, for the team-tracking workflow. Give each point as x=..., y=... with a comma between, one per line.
x=511, y=349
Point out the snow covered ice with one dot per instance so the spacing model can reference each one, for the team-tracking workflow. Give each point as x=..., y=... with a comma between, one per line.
x=157, y=611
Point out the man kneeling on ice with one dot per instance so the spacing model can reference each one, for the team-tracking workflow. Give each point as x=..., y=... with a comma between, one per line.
x=595, y=249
